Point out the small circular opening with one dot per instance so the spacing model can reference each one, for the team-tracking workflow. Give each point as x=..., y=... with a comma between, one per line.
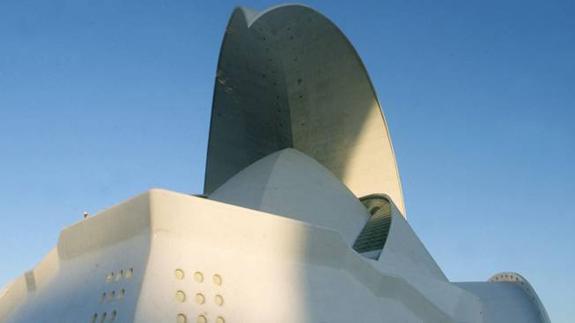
x=129, y=273
x=180, y=296
x=217, y=279
x=200, y=298
x=198, y=276
x=180, y=275
x=181, y=318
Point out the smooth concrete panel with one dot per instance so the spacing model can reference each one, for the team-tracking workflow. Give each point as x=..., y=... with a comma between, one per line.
x=274, y=269
x=96, y=270
x=291, y=184
x=504, y=302
x=403, y=252
x=270, y=269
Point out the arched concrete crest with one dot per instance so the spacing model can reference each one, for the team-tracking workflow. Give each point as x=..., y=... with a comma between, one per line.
x=288, y=78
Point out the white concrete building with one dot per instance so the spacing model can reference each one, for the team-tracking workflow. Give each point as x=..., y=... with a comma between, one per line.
x=302, y=218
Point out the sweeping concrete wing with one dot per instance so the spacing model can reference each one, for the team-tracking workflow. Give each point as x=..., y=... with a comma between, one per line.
x=288, y=78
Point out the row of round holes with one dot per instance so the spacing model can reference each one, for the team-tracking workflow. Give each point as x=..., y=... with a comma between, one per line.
x=126, y=274
x=182, y=318
x=507, y=277
x=198, y=277
x=200, y=298
x=113, y=316
x=113, y=295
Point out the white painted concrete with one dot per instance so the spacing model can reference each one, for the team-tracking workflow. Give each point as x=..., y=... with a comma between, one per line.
x=291, y=184
x=271, y=268
x=288, y=77
x=273, y=240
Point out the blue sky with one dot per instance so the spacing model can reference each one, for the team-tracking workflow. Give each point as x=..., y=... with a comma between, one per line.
x=102, y=100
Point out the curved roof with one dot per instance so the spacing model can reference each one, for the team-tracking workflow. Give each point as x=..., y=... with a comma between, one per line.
x=288, y=77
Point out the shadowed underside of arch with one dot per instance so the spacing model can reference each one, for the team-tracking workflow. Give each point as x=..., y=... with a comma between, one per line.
x=287, y=77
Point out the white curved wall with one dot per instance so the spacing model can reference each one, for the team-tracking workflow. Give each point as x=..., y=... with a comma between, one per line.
x=288, y=77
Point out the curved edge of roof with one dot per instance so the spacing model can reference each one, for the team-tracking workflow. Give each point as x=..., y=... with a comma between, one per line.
x=523, y=283
x=251, y=16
